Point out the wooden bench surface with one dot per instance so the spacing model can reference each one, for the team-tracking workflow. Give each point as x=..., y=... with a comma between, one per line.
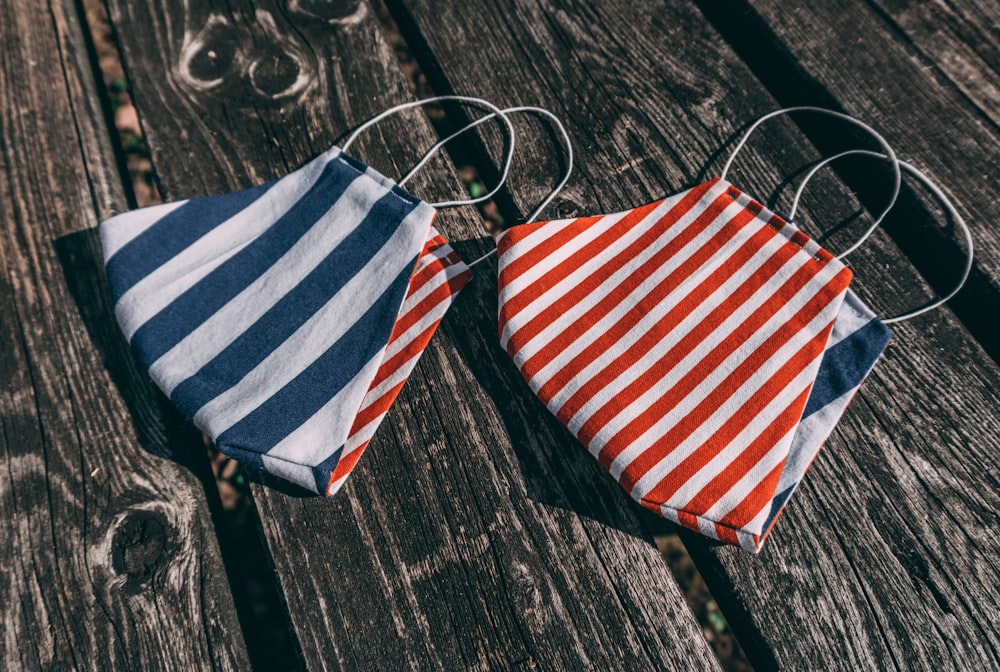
x=476, y=533
x=108, y=553
x=833, y=565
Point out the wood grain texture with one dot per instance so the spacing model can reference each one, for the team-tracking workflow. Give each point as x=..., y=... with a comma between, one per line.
x=108, y=558
x=858, y=54
x=884, y=559
x=961, y=39
x=469, y=536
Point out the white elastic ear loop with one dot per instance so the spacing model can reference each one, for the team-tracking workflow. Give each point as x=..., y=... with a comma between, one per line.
x=505, y=171
x=896, y=176
x=524, y=108
x=460, y=99
x=815, y=169
x=945, y=202
x=559, y=186
x=569, y=155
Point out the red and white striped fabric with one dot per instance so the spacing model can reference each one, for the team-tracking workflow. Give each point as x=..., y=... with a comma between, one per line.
x=438, y=277
x=678, y=342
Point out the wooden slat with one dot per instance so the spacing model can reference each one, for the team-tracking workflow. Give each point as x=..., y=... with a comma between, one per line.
x=858, y=55
x=885, y=557
x=961, y=39
x=108, y=553
x=458, y=543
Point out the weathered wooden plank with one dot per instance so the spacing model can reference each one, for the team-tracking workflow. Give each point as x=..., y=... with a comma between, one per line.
x=961, y=39
x=884, y=559
x=458, y=543
x=108, y=557
x=851, y=52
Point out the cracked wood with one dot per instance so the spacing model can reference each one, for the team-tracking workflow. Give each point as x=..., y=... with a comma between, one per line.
x=109, y=556
x=466, y=539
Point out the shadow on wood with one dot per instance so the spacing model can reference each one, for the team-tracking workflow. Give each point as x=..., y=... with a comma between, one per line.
x=161, y=430
x=471, y=326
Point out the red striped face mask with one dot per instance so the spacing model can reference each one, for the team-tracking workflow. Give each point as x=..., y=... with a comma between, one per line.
x=701, y=347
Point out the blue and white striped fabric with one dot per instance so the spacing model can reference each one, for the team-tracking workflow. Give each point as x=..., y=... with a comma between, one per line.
x=264, y=314
x=856, y=343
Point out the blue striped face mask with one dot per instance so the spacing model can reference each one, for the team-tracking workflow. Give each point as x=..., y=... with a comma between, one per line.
x=284, y=319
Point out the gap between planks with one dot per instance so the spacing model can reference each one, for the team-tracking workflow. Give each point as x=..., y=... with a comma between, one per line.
x=237, y=541
x=935, y=255
x=471, y=149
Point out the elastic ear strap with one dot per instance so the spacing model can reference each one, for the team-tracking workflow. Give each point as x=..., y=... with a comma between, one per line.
x=875, y=224
x=896, y=177
x=569, y=155
x=945, y=202
x=566, y=175
x=460, y=99
x=506, y=169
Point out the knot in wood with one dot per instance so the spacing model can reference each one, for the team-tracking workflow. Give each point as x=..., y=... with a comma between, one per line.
x=142, y=544
x=563, y=207
x=280, y=68
x=328, y=11
x=211, y=54
x=214, y=56
x=276, y=73
x=244, y=61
